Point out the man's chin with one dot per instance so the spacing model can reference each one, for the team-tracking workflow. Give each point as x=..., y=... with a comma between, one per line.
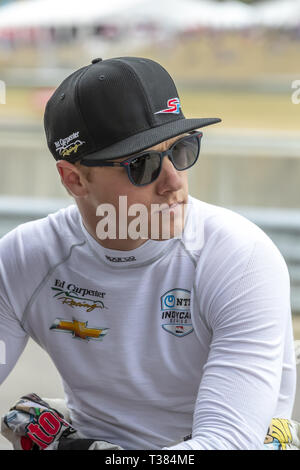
x=168, y=232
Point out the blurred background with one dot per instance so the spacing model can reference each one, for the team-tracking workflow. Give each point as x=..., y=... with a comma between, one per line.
x=238, y=60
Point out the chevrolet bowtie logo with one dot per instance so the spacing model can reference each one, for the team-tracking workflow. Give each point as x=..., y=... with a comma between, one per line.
x=79, y=329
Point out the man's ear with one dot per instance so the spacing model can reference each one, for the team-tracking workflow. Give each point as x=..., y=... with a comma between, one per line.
x=72, y=179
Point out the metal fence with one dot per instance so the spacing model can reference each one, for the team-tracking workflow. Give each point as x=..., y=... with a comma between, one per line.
x=281, y=225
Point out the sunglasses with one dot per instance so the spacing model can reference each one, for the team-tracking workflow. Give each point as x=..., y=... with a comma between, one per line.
x=145, y=167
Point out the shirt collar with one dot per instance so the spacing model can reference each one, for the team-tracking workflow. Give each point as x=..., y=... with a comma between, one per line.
x=144, y=254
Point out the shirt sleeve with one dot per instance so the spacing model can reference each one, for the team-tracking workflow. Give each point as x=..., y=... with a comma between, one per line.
x=246, y=307
x=13, y=338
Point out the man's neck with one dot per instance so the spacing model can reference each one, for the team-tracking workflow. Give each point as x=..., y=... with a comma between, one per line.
x=112, y=243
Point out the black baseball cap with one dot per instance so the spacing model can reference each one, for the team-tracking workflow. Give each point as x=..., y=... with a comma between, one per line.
x=114, y=108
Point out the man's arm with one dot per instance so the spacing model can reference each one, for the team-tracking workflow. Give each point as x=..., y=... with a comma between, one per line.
x=248, y=313
x=13, y=340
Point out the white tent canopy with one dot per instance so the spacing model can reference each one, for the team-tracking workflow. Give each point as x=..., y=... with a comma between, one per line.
x=181, y=14
x=233, y=14
x=169, y=14
x=42, y=13
x=279, y=13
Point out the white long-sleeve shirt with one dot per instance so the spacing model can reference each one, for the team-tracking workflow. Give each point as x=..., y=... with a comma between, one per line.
x=190, y=334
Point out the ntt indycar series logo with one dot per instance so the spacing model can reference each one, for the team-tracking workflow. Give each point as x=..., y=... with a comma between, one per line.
x=176, y=313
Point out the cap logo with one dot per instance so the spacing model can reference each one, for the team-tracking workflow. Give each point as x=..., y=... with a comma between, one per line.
x=65, y=147
x=173, y=107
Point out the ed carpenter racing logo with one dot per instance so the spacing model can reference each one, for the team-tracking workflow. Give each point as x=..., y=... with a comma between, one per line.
x=68, y=294
x=173, y=106
x=73, y=301
x=175, y=308
x=65, y=147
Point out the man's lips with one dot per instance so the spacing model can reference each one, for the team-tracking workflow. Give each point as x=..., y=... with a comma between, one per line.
x=167, y=206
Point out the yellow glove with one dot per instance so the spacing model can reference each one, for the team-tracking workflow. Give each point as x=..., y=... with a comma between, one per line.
x=283, y=434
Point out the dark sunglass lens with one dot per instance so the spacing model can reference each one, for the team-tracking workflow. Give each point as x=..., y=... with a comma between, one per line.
x=145, y=169
x=186, y=152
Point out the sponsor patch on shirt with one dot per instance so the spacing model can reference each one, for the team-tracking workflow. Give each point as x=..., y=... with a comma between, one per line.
x=118, y=259
x=176, y=313
x=178, y=330
x=66, y=295
x=79, y=329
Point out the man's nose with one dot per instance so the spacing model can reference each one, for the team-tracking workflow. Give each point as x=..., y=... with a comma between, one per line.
x=169, y=178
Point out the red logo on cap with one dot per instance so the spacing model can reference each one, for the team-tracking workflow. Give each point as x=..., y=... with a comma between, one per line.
x=173, y=107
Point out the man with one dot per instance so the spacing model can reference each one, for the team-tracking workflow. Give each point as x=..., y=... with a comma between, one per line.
x=170, y=325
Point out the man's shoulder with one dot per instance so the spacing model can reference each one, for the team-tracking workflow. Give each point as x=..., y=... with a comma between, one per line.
x=235, y=253
x=45, y=238
x=223, y=222
x=224, y=231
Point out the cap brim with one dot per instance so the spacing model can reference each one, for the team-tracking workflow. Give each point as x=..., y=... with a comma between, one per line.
x=149, y=138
